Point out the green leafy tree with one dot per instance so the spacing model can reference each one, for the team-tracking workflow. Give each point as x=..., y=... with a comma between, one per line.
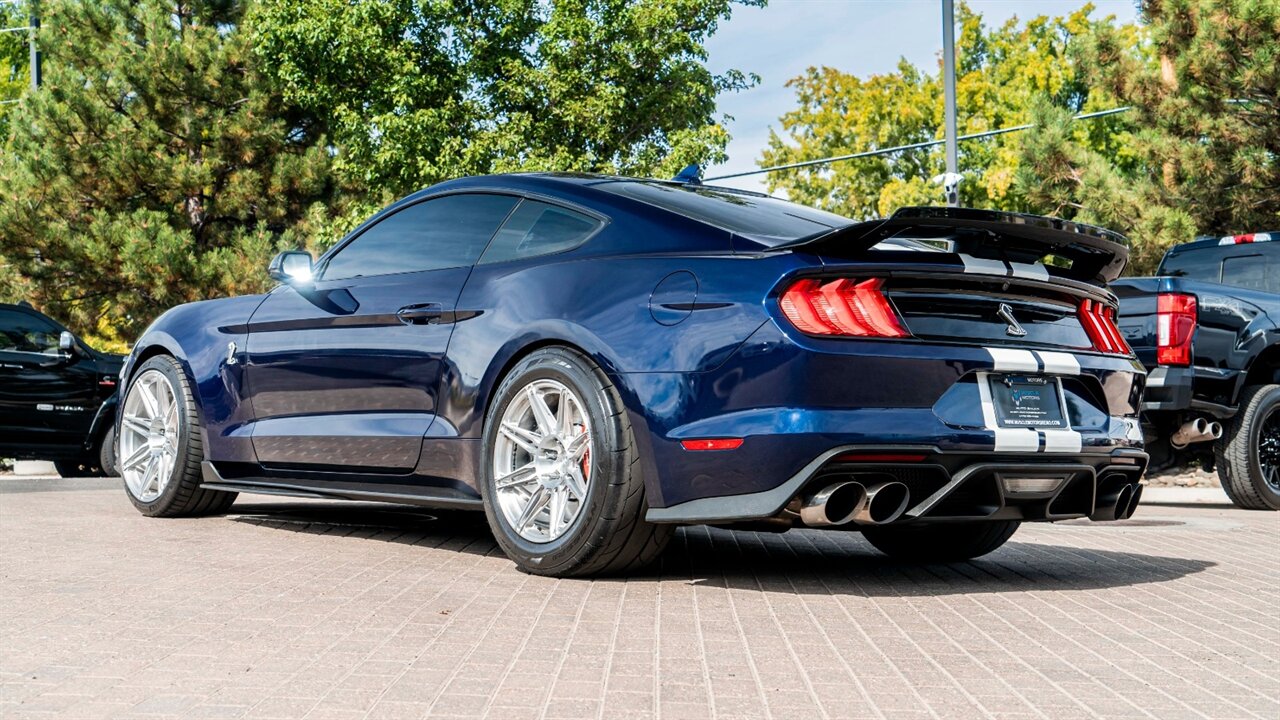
x=1207, y=109
x=155, y=166
x=999, y=72
x=417, y=91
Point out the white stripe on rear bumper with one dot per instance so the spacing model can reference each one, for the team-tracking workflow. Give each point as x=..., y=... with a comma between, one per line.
x=1059, y=363
x=1017, y=440
x=1068, y=441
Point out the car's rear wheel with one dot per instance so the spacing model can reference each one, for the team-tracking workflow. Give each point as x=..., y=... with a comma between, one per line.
x=1248, y=453
x=562, y=486
x=951, y=542
x=160, y=448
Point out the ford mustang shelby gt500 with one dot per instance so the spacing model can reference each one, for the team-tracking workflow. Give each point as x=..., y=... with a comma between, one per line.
x=597, y=360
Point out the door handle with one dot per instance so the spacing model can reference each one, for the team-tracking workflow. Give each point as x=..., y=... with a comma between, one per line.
x=420, y=314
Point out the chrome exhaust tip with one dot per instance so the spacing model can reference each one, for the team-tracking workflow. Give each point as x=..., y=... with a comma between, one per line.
x=835, y=504
x=1193, y=431
x=885, y=503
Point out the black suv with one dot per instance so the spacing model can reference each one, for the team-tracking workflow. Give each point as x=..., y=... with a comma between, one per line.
x=57, y=395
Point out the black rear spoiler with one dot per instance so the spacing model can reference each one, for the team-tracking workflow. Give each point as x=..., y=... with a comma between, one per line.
x=1082, y=252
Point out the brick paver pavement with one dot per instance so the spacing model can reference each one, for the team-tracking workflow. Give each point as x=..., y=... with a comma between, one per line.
x=292, y=609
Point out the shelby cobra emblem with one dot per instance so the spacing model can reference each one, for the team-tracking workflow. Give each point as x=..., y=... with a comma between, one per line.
x=1006, y=314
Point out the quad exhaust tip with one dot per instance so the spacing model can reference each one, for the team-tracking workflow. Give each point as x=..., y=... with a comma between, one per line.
x=835, y=504
x=852, y=502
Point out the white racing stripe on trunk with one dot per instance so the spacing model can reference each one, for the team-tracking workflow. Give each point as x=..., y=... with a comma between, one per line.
x=1033, y=271
x=1064, y=441
x=1059, y=363
x=1017, y=440
x=983, y=266
x=1015, y=360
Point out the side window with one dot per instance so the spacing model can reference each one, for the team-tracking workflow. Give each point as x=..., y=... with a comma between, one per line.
x=446, y=232
x=1251, y=271
x=20, y=332
x=538, y=228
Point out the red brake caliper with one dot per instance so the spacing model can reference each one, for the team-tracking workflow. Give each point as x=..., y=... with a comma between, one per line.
x=586, y=458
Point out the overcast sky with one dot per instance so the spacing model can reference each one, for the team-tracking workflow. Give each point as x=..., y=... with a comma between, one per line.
x=862, y=37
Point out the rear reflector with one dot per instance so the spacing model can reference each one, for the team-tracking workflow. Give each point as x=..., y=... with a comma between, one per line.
x=1099, y=323
x=712, y=444
x=853, y=457
x=1176, y=315
x=841, y=307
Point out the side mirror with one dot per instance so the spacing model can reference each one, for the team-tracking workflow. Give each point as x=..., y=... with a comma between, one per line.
x=291, y=266
x=66, y=343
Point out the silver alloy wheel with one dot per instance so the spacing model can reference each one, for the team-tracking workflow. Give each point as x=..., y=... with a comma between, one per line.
x=149, y=427
x=542, y=461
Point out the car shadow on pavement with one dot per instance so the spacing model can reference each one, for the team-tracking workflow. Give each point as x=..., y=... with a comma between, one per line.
x=800, y=561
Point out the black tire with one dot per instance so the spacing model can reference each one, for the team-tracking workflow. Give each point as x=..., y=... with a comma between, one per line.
x=182, y=495
x=1248, y=453
x=107, y=453
x=609, y=535
x=951, y=542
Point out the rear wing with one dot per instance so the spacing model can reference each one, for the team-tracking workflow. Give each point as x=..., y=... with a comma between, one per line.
x=1074, y=250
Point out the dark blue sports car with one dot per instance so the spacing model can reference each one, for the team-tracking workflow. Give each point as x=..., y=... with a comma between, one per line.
x=594, y=361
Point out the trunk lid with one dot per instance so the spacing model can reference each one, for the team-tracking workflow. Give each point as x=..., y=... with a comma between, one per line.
x=977, y=277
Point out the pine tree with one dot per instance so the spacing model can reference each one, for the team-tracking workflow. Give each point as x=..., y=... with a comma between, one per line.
x=156, y=165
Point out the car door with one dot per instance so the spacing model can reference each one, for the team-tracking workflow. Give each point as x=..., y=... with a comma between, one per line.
x=47, y=397
x=343, y=372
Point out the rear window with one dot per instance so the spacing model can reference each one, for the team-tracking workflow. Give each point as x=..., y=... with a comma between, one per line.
x=1251, y=266
x=768, y=220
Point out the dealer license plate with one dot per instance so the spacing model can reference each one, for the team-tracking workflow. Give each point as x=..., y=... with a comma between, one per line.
x=1023, y=401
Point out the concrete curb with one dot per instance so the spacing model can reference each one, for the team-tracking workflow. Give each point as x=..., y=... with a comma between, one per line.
x=1184, y=495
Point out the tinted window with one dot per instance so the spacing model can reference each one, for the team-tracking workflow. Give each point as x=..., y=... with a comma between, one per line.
x=769, y=220
x=1255, y=272
x=536, y=228
x=1205, y=265
x=445, y=232
x=1255, y=266
x=20, y=332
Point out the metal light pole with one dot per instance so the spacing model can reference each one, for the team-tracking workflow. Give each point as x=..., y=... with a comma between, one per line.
x=951, y=180
x=31, y=44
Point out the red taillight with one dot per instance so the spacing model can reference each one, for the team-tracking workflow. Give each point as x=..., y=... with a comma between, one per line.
x=841, y=307
x=712, y=444
x=1175, y=326
x=1099, y=323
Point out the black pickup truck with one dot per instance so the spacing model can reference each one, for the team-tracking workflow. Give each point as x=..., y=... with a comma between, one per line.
x=57, y=395
x=1208, y=330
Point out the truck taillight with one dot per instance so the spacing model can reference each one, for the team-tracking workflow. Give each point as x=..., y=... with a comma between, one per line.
x=1099, y=321
x=1175, y=326
x=841, y=307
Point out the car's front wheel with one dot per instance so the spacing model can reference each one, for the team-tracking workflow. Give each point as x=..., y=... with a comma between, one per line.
x=160, y=448
x=951, y=542
x=562, y=486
